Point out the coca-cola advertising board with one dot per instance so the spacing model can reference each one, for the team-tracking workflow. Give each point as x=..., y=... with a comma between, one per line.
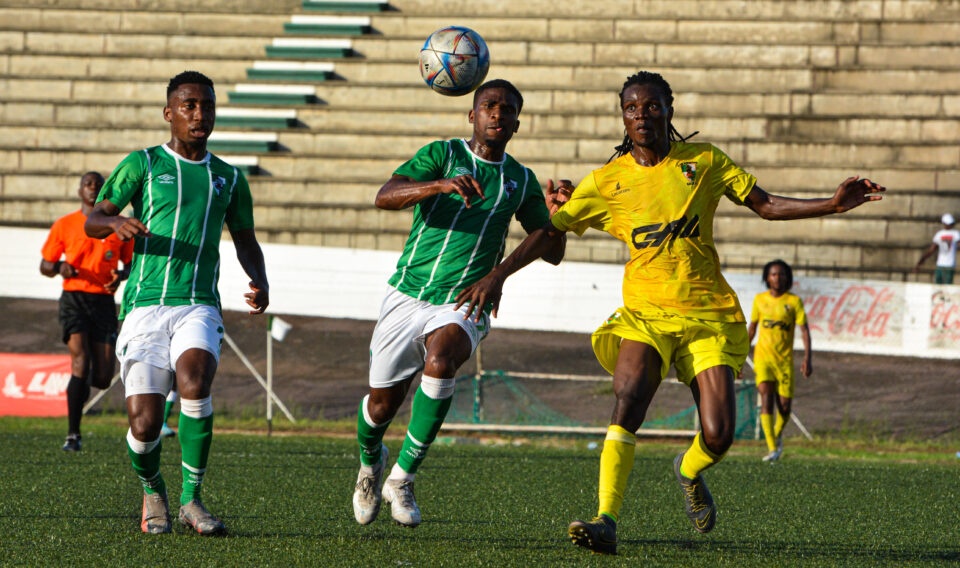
x=845, y=311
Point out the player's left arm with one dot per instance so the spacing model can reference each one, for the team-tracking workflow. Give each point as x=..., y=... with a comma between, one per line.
x=250, y=256
x=556, y=195
x=853, y=192
x=807, y=366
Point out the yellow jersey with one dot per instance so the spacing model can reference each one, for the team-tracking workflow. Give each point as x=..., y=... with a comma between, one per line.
x=776, y=318
x=664, y=214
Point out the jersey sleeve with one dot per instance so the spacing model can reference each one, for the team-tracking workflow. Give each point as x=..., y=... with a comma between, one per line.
x=427, y=164
x=54, y=245
x=533, y=212
x=239, y=214
x=125, y=181
x=755, y=312
x=801, y=317
x=731, y=179
x=586, y=209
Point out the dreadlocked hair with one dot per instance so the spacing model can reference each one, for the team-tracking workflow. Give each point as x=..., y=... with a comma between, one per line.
x=648, y=78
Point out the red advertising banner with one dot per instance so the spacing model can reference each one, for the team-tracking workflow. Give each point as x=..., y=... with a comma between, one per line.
x=854, y=312
x=34, y=385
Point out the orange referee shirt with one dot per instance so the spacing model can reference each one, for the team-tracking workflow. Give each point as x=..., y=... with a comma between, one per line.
x=93, y=258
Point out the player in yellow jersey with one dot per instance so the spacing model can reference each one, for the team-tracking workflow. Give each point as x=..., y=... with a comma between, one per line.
x=659, y=195
x=777, y=313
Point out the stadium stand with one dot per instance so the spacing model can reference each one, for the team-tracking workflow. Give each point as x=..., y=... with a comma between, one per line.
x=321, y=100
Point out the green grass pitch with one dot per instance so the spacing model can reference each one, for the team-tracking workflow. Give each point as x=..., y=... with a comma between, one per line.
x=286, y=501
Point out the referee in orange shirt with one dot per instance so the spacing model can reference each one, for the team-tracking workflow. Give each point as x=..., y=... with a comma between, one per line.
x=90, y=271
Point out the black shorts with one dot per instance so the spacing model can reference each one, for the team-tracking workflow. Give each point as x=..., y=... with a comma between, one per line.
x=93, y=314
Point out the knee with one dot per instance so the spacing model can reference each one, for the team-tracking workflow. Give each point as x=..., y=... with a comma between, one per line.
x=440, y=365
x=100, y=377
x=382, y=408
x=144, y=428
x=78, y=364
x=718, y=438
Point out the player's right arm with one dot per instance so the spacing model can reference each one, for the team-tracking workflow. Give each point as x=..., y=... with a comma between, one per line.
x=402, y=191
x=105, y=219
x=932, y=250
x=125, y=181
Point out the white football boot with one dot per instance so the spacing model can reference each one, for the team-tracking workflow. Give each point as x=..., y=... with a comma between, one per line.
x=403, y=506
x=366, y=495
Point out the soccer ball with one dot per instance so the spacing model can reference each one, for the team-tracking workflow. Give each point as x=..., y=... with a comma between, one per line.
x=454, y=61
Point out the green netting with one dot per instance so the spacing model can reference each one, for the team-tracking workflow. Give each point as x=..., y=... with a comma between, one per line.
x=497, y=397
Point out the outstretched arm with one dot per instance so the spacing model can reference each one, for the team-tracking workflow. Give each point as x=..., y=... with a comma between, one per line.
x=927, y=254
x=489, y=288
x=251, y=259
x=106, y=218
x=556, y=196
x=403, y=191
x=853, y=192
x=807, y=366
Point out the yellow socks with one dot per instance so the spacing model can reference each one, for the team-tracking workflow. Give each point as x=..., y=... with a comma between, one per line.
x=778, y=427
x=697, y=458
x=766, y=421
x=616, y=461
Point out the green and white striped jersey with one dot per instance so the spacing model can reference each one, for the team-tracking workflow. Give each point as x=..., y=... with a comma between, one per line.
x=184, y=204
x=451, y=246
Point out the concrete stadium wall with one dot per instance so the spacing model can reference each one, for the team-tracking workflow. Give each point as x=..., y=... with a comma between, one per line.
x=884, y=318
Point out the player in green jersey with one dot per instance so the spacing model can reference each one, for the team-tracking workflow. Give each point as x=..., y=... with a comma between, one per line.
x=181, y=197
x=465, y=194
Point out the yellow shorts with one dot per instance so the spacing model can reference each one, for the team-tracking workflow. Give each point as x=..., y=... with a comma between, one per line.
x=782, y=374
x=691, y=345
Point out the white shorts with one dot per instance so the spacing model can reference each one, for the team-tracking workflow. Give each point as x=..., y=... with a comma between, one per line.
x=159, y=335
x=398, y=348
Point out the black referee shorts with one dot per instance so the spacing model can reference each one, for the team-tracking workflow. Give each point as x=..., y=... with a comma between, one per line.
x=93, y=314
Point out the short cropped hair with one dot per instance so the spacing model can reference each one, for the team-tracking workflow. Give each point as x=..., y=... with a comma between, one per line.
x=786, y=270
x=188, y=78
x=499, y=84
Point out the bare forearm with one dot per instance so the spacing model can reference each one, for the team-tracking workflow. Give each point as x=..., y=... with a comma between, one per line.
x=556, y=252
x=779, y=208
x=536, y=245
x=98, y=225
x=400, y=194
x=807, y=349
x=250, y=256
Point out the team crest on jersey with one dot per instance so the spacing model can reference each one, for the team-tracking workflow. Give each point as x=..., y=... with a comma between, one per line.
x=689, y=170
x=509, y=186
x=166, y=178
x=108, y=255
x=462, y=171
x=218, y=184
x=613, y=317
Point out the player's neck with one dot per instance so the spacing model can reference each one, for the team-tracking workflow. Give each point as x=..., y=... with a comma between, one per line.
x=776, y=293
x=192, y=152
x=86, y=209
x=486, y=151
x=649, y=156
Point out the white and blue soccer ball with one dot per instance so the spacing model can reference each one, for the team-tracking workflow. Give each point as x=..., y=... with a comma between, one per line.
x=454, y=61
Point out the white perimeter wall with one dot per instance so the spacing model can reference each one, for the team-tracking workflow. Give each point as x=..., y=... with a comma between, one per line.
x=887, y=318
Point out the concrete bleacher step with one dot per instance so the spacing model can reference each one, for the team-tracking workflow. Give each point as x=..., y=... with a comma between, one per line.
x=273, y=94
x=291, y=71
x=509, y=50
x=327, y=25
x=587, y=77
x=346, y=5
x=309, y=48
x=240, y=117
x=239, y=142
x=564, y=102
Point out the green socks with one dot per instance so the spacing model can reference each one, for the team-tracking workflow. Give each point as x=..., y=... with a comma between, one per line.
x=369, y=435
x=430, y=406
x=196, y=434
x=145, y=458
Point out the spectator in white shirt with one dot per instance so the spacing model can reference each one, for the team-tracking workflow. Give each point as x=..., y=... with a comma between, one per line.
x=945, y=245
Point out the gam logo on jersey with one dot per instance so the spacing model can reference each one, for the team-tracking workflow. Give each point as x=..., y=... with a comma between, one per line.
x=782, y=326
x=218, y=184
x=166, y=178
x=659, y=233
x=689, y=171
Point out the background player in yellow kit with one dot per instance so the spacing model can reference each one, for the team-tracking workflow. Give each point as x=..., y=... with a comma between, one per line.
x=778, y=313
x=658, y=195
